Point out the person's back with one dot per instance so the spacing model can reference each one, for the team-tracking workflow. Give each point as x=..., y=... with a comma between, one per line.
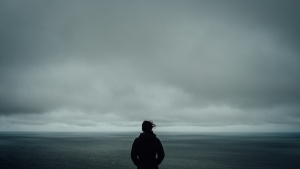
x=147, y=151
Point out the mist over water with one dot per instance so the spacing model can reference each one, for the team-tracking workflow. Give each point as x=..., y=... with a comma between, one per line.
x=112, y=150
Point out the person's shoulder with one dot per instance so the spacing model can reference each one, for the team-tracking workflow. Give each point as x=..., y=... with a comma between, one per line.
x=157, y=139
x=136, y=139
x=135, y=142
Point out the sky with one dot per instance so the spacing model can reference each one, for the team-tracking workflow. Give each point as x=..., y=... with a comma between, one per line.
x=91, y=65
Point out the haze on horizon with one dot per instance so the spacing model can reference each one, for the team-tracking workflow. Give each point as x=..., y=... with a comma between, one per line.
x=211, y=65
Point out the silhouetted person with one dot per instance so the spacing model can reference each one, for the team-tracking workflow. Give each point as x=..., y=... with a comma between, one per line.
x=147, y=151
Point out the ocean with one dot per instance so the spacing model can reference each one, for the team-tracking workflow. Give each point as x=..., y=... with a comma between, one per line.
x=183, y=150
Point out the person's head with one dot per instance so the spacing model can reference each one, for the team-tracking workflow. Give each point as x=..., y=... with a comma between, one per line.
x=147, y=126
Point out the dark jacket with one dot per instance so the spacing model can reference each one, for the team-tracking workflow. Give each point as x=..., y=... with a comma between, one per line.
x=147, y=151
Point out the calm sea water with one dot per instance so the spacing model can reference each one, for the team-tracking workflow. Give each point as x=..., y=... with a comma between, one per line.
x=183, y=151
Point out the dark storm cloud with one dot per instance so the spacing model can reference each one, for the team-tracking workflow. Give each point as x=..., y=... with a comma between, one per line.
x=209, y=63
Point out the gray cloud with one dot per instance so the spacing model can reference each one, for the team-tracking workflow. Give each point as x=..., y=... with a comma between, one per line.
x=192, y=63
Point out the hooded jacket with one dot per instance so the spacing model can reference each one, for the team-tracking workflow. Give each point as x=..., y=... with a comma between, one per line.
x=147, y=151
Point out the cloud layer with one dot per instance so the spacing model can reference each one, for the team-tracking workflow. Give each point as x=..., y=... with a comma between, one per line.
x=109, y=65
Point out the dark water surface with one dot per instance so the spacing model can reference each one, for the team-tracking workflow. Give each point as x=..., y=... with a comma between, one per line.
x=183, y=151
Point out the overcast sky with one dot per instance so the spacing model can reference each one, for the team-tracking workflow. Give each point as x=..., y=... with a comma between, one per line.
x=91, y=65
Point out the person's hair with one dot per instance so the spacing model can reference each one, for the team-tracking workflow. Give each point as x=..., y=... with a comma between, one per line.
x=147, y=126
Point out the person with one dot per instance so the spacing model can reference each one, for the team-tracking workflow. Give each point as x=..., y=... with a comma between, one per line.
x=147, y=151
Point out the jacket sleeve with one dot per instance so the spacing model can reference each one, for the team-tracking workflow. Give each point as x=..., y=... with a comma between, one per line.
x=160, y=152
x=134, y=153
